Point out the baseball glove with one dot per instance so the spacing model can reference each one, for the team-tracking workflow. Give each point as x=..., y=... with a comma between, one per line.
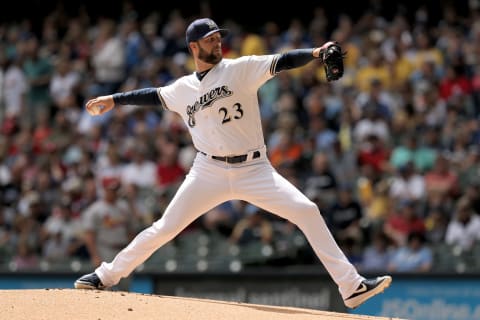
x=332, y=57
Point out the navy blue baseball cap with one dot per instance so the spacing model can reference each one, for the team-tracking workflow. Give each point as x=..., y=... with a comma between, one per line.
x=202, y=28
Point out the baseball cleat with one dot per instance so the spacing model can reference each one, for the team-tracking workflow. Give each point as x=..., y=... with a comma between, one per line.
x=89, y=281
x=367, y=289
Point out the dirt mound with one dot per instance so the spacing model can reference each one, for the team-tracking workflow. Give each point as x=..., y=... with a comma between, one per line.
x=53, y=304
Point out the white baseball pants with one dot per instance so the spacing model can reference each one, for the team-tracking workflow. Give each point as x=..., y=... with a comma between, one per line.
x=210, y=183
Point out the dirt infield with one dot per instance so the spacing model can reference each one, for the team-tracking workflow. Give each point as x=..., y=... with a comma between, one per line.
x=53, y=304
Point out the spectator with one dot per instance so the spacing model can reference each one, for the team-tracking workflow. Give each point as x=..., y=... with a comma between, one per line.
x=476, y=88
x=287, y=150
x=455, y=82
x=410, y=150
x=64, y=87
x=378, y=99
x=41, y=134
x=7, y=236
x=345, y=215
x=108, y=224
x=142, y=121
x=62, y=135
x=26, y=257
x=442, y=179
x=352, y=250
x=430, y=109
x=371, y=124
x=47, y=190
x=403, y=67
x=469, y=169
x=15, y=88
x=38, y=71
x=428, y=71
x=321, y=133
x=320, y=180
x=169, y=171
x=286, y=122
x=414, y=256
x=343, y=163
x=108, y=58
x=254, y=226
x=135, y=44
x=377, y=255
x=402, y=222
x=374, y=68
x=436, y=222
x=62, y=233
x=378, y=205
x=28, y=230
x=424, y=50
x=374, y=153
x=55, y=248
x=109, y=163
x=141, y=171
x=472, y=192
x=173, y=33
x=464, y=229
x=406, y=184
x=222, y=219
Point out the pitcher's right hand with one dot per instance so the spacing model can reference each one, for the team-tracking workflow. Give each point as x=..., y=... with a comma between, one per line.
x=100, y=105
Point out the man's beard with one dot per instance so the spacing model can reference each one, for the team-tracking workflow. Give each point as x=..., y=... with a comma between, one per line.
x=207, y=57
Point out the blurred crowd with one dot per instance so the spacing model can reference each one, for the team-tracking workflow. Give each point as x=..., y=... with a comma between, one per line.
x=390, y=152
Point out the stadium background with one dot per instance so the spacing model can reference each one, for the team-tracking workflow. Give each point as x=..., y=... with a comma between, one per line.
x=452, y=283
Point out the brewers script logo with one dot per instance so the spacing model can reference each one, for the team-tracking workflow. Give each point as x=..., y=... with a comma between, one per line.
x=206, y=101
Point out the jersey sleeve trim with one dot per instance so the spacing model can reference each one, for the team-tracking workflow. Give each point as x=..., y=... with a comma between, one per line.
x=273, y=65
x=162, y=101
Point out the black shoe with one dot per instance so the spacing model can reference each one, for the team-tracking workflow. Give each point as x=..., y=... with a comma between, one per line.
x=89, y=281
x=367, y=289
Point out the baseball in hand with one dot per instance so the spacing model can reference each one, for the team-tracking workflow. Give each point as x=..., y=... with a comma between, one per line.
x=96, y=109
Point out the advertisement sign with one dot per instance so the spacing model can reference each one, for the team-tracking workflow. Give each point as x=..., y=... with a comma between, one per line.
x=429, y=299
x=140, y=284
x=301, y=293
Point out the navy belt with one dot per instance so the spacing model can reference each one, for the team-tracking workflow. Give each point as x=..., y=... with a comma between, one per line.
x=235, y=159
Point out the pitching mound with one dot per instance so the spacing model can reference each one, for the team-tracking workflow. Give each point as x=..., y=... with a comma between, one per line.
x=50, y=304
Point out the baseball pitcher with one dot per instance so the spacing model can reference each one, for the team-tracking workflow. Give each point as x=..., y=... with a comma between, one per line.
x=218, y=103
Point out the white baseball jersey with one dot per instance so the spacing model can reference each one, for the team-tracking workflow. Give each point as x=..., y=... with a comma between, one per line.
x=222, y=111
x=223, y=116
